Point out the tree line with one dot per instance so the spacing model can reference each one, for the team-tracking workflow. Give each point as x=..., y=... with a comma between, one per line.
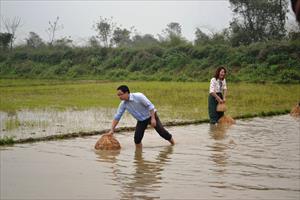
x=253, y=21
x=256, y=47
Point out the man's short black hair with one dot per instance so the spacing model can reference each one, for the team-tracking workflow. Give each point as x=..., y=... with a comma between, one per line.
x=123, y=88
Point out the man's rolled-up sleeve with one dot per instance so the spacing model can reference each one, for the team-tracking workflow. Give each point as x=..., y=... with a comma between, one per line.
x=146, y=102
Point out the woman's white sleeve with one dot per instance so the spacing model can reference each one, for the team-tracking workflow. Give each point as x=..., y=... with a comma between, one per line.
x=212, y=86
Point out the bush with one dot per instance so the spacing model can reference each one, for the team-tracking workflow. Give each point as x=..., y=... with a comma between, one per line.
x=141, y=61
x=289, y=76
x=77, y=71
x=24, y=68
x=265, y=61
x=117, y=74
x=176, y=60
x=277, y=59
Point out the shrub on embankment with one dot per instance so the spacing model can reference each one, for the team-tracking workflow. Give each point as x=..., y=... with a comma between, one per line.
x=273, y=61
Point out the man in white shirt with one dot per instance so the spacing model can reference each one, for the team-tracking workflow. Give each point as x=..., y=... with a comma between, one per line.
x=139, y=106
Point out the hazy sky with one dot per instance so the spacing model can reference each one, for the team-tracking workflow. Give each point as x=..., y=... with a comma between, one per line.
x=151, y=17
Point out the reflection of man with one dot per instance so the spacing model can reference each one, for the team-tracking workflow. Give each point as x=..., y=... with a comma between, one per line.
x=296, y=8
x=147, y=175
x=143, y=110
x=142, y=182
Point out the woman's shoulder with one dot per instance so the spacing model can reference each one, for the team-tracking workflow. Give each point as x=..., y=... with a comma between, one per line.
x=213, y=79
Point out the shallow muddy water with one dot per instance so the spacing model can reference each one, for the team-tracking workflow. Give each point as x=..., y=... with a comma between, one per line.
x=257, y=158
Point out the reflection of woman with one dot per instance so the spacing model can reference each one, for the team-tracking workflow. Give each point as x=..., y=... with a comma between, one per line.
x=217, y=94
x=218, y=132
x=219, y=153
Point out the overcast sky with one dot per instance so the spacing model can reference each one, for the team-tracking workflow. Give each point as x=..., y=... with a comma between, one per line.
x=148, y=16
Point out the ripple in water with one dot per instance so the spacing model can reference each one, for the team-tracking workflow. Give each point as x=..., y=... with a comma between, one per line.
x=253, y=159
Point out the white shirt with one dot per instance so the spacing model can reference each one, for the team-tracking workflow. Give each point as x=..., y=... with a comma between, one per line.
x=138, y=105
x=217, y=85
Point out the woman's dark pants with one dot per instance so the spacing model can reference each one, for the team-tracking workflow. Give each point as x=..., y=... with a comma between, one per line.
x=214, y=116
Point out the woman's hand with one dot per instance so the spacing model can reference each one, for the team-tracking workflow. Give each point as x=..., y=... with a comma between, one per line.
x=220, y=100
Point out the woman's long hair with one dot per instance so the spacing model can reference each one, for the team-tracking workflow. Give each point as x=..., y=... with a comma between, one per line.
x=218, y=72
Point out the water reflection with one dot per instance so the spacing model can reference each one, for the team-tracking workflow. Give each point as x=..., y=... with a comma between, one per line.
x=218, y=148
x=218, y=131
x=146, y=177
x=143, y=178
x=109, y=156
x=204, y=164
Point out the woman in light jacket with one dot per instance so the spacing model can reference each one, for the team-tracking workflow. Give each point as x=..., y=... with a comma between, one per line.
x=217, y=94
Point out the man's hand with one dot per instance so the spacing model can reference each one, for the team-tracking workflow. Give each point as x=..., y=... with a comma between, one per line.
x=113, y=126
x=153, y=122
x=110, y=133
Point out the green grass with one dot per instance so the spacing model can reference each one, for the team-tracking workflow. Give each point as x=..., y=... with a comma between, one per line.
x=174, y=100
x=12, y=123
x=7, y=140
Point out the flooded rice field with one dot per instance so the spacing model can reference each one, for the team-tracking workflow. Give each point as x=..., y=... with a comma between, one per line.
x=41, y=123
x=256, y=158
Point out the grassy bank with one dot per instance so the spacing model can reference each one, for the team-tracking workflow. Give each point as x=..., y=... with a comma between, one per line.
x=272, y=61
x=174, y=100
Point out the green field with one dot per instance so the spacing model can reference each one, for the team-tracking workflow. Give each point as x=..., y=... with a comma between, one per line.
x=174, y=100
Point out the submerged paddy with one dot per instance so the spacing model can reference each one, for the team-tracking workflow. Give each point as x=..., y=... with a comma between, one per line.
x=34, y=108
x=184, y=100
x=256, y=158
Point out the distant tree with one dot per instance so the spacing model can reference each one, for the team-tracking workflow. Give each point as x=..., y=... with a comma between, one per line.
x=221, y=37
x=201, y=37
x=144, y=40
x=11, y=27
x=239, y=35
x=121, y=37
x=173, y=34
x=52, y=30
x=34, y=40
x=63, y=42
x=93, y=42
x=258, y=20
x=105, y=28
x=173, y=30
x=5, y=40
